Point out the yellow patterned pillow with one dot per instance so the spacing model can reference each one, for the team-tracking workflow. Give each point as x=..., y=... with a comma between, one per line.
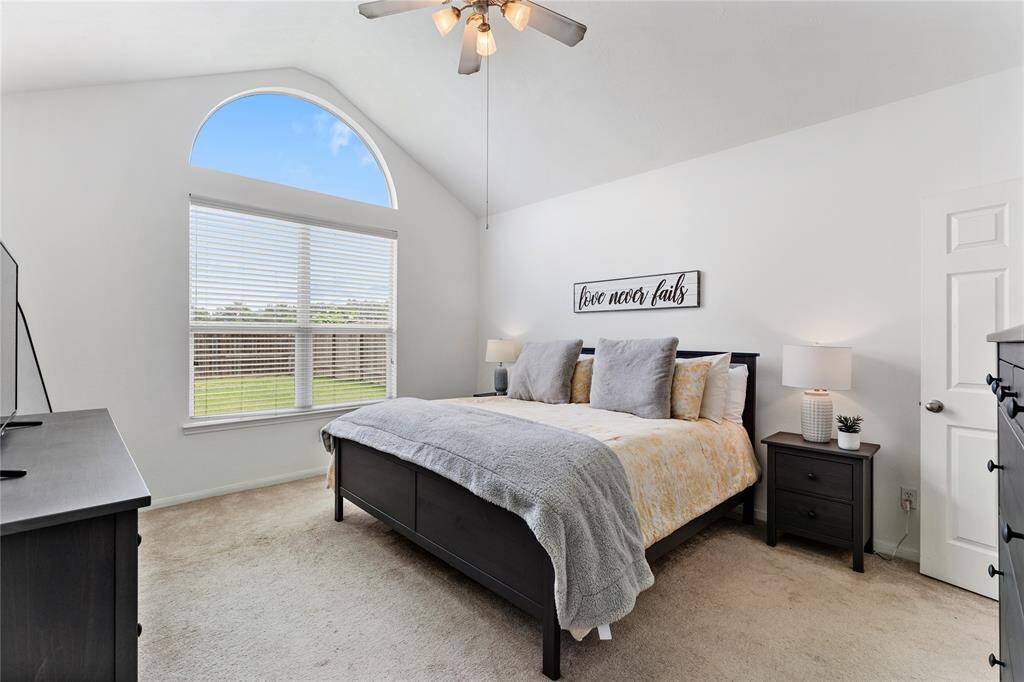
x=581, y=377
x=688, y=387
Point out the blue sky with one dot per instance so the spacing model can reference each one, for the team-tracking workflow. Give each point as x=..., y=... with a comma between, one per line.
x=293, y=142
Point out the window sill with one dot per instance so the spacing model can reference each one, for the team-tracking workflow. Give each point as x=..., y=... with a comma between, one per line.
x=206, y=425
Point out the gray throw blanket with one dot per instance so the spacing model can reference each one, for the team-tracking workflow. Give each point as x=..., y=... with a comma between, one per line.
x=569, y=488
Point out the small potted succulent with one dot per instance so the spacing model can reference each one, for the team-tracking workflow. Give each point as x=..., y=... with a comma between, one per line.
x=849, y=431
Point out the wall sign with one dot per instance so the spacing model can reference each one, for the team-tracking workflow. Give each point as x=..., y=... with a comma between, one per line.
x=649, y=292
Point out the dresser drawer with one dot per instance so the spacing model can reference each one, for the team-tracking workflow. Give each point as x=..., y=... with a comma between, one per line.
x=803, y=513
x=1015, y=384
x=1012, y=353
x=1011, y=618
x=1011, y=476
x=809, y=474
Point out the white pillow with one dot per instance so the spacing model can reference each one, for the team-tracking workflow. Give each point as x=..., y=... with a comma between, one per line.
x=737, y=394
x=716, y=388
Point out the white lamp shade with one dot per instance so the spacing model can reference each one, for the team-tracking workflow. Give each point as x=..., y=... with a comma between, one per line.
x=827, y=367
x=501, y=350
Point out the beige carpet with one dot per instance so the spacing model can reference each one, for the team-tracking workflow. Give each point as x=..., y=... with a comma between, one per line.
x=265, y=585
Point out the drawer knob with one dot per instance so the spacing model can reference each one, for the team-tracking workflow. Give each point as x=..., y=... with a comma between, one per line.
x=138, y=629
x=1002, y=393
x=993, y=571
x=811, y=514
x=138, y=539
x=811, y=476
x=992, y=466
x=1012, y=408
x=993, y=661
x=994, y=384
x=989, y=379
x=1010, y=534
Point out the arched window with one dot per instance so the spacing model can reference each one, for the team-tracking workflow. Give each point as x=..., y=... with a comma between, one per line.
x=290, y=309
x=290, y=141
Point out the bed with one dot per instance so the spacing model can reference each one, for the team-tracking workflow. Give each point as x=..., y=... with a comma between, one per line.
x=497, y=549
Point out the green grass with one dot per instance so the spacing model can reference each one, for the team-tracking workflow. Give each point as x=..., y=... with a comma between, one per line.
x=233, y=395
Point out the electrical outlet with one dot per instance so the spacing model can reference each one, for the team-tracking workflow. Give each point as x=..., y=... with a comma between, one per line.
x=908, y=494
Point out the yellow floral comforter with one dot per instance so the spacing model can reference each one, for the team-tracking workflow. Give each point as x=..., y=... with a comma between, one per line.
x=677, y=469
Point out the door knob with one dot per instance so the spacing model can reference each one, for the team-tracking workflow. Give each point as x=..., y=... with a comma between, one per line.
x=992, y=466
x=1012, y=408
x=1010, y=534
x=1002, y=394
x=934, y=406
x=993, y=571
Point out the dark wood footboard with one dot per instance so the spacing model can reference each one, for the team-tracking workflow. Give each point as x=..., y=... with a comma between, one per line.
x=485, y=542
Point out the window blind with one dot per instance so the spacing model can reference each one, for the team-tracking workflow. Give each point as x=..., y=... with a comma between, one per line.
x=286, y=316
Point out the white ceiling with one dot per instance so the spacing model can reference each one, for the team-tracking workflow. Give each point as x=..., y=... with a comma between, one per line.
x=652, y=83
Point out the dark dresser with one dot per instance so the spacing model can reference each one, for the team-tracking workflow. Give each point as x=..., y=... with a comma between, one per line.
x=1008, y=387
x=69, y=551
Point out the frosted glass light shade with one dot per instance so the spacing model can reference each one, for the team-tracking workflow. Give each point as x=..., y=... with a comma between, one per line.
x=445, y=19
x=485, y=45
x=825, y=367
x=501, y=350
x=517, y=14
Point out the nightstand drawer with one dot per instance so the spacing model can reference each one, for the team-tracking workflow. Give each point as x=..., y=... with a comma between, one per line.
x=811, y=514
x=812, y=475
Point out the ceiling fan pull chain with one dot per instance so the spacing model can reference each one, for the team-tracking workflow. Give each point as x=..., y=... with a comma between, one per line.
x=487, y=145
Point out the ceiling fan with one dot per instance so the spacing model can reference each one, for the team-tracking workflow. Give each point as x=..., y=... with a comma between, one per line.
x=477, y=37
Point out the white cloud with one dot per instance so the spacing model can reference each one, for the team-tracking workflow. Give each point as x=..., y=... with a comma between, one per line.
x=340, y=136
x=337, y=134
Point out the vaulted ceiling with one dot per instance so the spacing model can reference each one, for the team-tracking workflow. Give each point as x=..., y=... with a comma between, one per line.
x=653, y=83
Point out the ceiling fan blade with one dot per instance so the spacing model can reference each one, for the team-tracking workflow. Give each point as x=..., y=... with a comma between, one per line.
x=555, y=25
x=383, y=8
x=469, y=60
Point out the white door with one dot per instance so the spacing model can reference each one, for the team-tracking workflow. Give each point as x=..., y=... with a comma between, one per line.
x=971, y=272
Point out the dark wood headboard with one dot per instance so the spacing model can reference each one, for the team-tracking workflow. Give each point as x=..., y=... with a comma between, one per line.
x=748, y=359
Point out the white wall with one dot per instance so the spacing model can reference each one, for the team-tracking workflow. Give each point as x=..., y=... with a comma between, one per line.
x=95, y=209
x=809, y=236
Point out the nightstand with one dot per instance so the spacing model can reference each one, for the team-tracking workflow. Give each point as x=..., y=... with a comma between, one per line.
x=822, y=492
x=485, y=395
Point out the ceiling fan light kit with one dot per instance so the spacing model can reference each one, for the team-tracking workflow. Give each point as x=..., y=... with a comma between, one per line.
x=478, y=38
x=485, y=45
x=446, y=19
x=517, y=14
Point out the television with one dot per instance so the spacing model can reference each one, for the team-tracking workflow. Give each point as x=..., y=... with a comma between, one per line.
x=8, y=334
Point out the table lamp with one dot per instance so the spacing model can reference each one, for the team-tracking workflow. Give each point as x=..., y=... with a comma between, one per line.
x=819, y=369
x=499, y=351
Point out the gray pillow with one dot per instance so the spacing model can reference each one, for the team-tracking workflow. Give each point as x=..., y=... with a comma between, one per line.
x=543, y=371
x=635, y=376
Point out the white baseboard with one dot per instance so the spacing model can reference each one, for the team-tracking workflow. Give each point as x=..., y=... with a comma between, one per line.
x=908, y=553
x=234, y=488
x=884, y=546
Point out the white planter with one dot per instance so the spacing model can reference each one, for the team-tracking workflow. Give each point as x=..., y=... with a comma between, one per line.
x=849, y=441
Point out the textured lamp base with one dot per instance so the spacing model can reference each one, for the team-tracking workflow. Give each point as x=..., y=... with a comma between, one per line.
x=816, y=417
x=500, y=380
